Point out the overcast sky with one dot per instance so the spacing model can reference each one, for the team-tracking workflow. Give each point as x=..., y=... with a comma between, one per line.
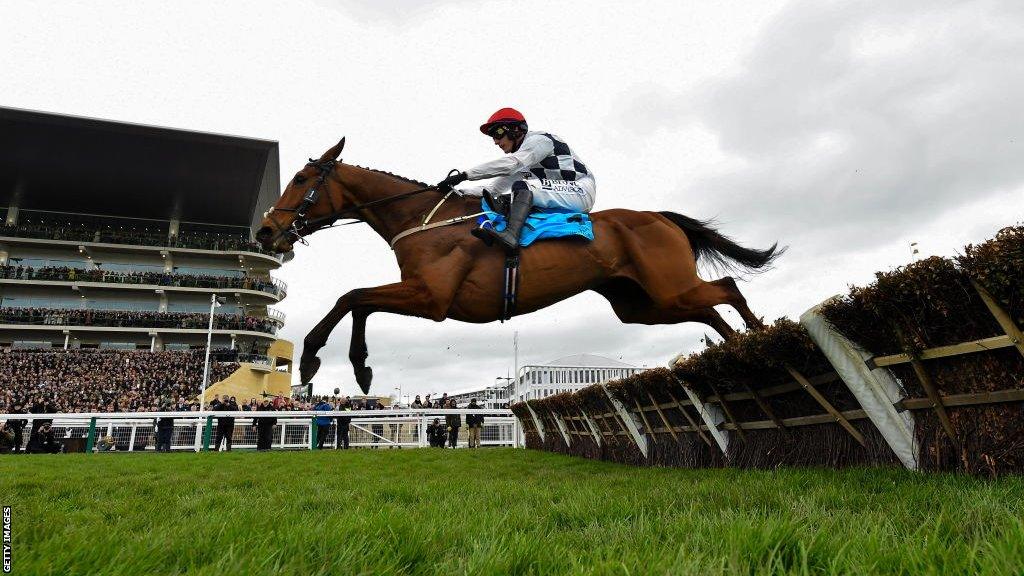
x=845, y=130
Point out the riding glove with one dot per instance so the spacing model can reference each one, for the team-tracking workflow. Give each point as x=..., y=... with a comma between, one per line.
x=452, y=179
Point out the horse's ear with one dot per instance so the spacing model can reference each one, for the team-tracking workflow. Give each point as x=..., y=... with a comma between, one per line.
x=335, y=151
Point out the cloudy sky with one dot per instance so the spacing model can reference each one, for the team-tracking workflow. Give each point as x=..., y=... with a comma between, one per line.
x=845, y=130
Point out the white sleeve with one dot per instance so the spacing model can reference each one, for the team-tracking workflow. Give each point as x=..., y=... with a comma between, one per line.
x=500, y=185
x=533, y=150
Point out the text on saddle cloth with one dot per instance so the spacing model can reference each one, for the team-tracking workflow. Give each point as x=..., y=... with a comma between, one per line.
x=543, y=225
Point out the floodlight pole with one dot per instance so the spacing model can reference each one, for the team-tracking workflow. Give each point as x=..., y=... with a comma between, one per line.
x=515, y=361
x=206, y=364
x=206, y=368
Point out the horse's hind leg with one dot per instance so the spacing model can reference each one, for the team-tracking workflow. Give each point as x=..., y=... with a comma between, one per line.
x=634, y=307
x=652, y=314
x=735, y=299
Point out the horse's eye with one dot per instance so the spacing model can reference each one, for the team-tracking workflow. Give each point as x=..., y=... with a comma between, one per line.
x=299, y=178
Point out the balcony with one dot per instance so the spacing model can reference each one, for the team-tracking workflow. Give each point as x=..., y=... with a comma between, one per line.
x=276, y=315
x=190, y=321
x=73, y=232
x=274, y=287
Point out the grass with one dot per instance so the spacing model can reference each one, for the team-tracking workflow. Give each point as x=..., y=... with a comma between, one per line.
x=495, y=511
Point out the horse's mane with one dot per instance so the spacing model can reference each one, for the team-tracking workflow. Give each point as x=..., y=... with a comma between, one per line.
x=396, y=176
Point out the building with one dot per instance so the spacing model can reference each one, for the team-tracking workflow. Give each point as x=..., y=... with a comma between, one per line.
x=568, y=374
x=118, y=236
x=494, y=396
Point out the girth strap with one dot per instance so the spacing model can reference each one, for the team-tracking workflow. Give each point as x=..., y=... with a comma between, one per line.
x=511, y=288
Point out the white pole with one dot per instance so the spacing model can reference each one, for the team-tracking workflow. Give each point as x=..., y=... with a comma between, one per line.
x=206, y=364
x=515, y=360
x=206, y=375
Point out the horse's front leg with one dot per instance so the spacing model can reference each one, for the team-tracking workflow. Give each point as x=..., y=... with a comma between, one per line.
x=317, y=337
x=409, y=297
x=357, y=351
x=428, y=294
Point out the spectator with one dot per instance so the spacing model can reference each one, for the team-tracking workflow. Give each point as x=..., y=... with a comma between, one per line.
x=341, y=438
x=42, y=440
x=323, y=423
x=100, y=380
x=17, y=427
x=6, y=438
x=127, y=232
x=65, y=273
x=454, y=422
x=417, y=403
x=164, y=431
x=265, y=426
x=225, y=425
x=474, y=423
x=436, y=434
x=133, y=318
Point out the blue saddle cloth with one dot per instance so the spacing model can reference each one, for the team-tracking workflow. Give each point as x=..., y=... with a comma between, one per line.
x=542, y=225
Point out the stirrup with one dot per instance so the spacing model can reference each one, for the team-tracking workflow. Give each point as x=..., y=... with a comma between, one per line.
x=481, y=232
x=502, y=238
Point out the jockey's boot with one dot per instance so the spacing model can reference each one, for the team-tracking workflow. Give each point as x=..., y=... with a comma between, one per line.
x=522, y=201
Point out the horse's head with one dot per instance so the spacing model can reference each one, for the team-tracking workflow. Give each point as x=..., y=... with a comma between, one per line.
x=307, y=204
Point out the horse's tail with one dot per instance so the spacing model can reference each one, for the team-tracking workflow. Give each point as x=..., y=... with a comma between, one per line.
x=720, y=251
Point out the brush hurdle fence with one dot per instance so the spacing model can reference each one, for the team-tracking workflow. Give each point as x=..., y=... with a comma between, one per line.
x=295, y=430
x=924, y=369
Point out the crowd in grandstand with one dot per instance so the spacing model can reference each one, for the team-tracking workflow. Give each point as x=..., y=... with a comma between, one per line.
x=42, y=381
x=133, y=318
x=78, y=381
x=65, y=273
x=54, y=229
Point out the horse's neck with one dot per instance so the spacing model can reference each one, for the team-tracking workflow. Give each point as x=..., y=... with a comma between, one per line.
x=388, y=219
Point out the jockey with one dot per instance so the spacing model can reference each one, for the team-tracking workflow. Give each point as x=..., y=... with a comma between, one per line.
x=539, y=169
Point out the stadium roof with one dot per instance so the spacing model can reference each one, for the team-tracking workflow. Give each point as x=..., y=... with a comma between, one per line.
x=89, y=166
x=589, y=361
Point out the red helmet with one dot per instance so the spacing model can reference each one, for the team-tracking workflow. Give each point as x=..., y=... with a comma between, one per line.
x=504, y=116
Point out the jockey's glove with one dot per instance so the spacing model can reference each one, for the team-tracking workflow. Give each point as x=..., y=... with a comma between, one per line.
x=453, y=178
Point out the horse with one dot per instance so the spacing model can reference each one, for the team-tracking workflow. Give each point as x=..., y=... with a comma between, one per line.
x=643, y=263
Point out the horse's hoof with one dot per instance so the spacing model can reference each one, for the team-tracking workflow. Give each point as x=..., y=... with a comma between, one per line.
x=308, y=368
x=364, y=376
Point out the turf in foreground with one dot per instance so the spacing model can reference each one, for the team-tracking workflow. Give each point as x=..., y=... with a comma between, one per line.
x=494, y=512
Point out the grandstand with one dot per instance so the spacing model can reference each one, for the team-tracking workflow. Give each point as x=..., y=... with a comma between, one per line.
x=114, y=236
x=493, y=396
x=568, y=374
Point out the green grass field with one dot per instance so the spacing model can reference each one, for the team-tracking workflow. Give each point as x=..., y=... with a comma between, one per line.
x=494, y=512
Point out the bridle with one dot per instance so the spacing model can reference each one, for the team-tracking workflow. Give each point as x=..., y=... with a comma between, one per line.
x=324, y=167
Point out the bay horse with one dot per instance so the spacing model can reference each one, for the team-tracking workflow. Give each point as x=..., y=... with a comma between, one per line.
x=643, y=263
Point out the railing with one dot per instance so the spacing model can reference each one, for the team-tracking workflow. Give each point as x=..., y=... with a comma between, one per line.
x=153, y=238
x=193, y=431
x=249, y=359
x=275, y=315
x=171, y=279
x=282, y=286
x=133, y=319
